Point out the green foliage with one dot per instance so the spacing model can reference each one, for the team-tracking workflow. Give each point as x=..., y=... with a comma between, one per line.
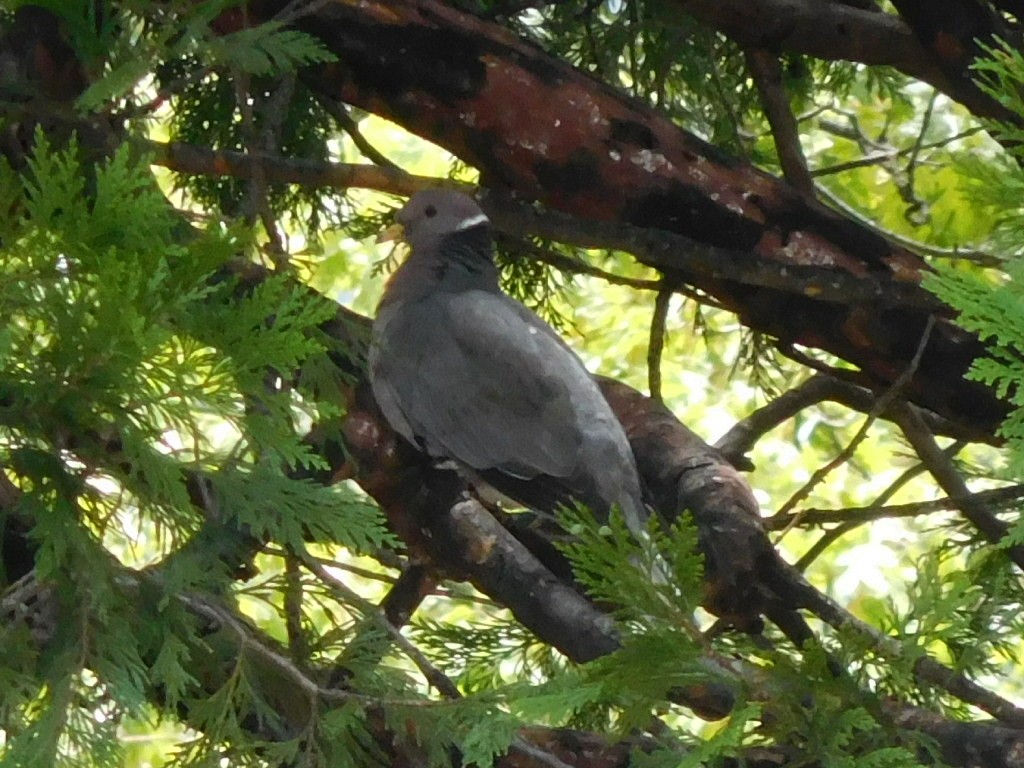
x=538, y=285
x=91, y=26
x=665, y=576
x=152, y=412
x=269, y=48
x=990, y=306
x=635, y=45
x=969, y=615
x=989, y=303
x=195, y=67
x=125, y=349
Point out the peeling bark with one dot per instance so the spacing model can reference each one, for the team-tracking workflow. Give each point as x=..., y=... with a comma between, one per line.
x=549, y=133
x=680, y=471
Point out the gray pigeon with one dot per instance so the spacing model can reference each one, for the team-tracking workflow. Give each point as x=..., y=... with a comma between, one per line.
x=472, y=377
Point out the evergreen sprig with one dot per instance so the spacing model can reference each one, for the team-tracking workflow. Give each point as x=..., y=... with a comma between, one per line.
x=132, y=369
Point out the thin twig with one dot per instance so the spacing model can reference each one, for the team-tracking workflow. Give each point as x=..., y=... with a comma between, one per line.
x=851, y=522
x=438, y=679
x=881, y=404
x=580, y=267
x=656, y=345
x=341, y=115
x=745, y=433
x=879, y=158
x=915, y=205
x=925, y=668
x=950, y=480
x=995, y=497
x=247, y=639
x=259, y=202
x=433, y=675
x=364, y=573
x=819, y=475
x=971, y=255
x=826, y=540
x=293, y=594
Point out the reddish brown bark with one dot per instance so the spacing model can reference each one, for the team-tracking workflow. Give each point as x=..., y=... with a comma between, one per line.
x=678, y=467
x=550, y=133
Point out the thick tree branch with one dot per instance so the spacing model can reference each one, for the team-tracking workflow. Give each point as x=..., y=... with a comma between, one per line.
x=834, y=31
x=745, y=576
x=656, y=248
x=425, y=506
x=591, y=152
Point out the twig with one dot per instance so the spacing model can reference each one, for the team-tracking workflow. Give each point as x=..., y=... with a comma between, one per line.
x=819, y=475
x=767, y=75
x=852, y=518
x=364, y=573
x=189, y=158
x=225, y=618
x=849, y=523
x=656, y=345
x=340, y=113
x=816, y=517
x=974, y=256
x=826, y=540
x=434, y=676
x=888, y=155
x=915, y=205
x=293, y=594
x=833, y=388
x=580, y=267
x=742, y=436
x=259, y=202
x=949, y=479
x=881, y=404
x=297, y=9
x=926, y=668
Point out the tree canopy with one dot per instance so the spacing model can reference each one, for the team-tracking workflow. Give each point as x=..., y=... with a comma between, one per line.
x=784, y=235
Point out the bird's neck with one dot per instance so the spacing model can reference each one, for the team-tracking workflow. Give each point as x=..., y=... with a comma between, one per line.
x=461, y=261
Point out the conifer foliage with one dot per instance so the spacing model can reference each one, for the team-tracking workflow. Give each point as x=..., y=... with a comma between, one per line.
x=215, y=551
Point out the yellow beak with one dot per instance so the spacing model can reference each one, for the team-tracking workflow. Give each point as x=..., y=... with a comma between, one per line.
x=394, y=232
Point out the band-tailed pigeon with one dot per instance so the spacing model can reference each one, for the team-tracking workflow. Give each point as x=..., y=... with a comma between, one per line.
x=473, y=377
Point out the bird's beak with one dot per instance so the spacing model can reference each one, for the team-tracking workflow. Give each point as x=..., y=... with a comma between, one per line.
x=388, y=234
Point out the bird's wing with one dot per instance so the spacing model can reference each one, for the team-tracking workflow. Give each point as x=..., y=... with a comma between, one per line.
x=477, y=377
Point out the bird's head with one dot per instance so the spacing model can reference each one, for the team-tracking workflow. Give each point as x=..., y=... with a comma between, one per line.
x=432, y=215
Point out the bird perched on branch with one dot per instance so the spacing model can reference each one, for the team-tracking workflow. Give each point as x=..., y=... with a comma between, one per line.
x=474, y=378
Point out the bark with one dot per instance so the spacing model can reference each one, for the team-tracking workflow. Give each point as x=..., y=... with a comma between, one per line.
x=546, y=132
x=680, y=470
x=955, y=32
x=835, y=31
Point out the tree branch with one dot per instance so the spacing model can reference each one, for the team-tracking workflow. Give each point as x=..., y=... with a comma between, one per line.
x=817, y=517
x=949, y=479
x=834, y=31
x=767, y=75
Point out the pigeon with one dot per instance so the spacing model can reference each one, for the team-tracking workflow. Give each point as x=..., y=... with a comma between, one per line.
x=476, y=380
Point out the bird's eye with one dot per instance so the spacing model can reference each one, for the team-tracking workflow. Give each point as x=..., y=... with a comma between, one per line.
x=430, y=211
